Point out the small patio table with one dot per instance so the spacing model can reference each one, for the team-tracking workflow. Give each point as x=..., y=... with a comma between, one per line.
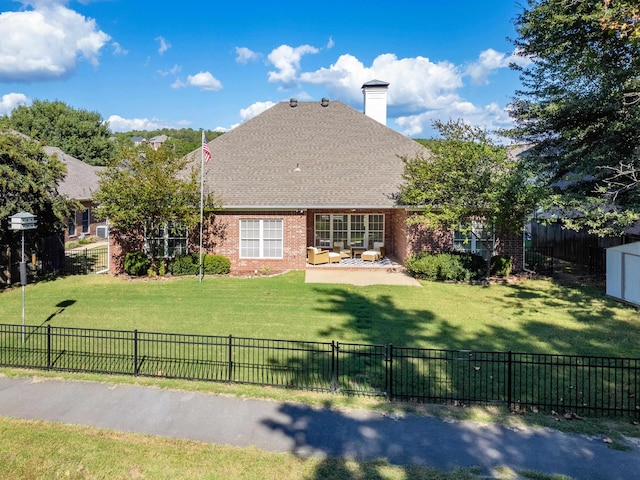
x=355, y=251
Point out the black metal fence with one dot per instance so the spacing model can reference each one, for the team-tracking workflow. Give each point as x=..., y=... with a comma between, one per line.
x=539, y=259
x=75, y=262
x=585, y=385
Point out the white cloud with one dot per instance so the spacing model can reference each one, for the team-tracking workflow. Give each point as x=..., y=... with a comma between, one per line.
x=330, y=43
x=118, y=50
x=173, y=71
x=203, y=80
x=420, y=90
x=286, y=59
x=255, y=109
x=119, y=124
x=245, y=55
x=164, y=45
x=416, y=83
x=46, y=42
x=490, y=117
x=491, y=60
x=10, y=101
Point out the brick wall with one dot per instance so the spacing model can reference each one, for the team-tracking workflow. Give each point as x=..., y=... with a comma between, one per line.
x=223, y=238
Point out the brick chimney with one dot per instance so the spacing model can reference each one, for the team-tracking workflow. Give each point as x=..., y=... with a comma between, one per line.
x=375, y=100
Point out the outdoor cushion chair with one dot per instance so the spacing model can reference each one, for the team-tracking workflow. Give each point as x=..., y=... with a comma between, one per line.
x=316, y=256
x=338, y=247
x=376, y=253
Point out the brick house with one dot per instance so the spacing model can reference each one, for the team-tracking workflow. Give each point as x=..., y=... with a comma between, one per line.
x=306, y=174
x=79, y=183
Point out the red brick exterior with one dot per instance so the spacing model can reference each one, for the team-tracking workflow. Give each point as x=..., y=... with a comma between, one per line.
x=222, y=237
x=93, y=223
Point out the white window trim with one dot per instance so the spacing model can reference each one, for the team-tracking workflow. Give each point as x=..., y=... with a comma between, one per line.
x=475, y=243
x=367, y=232
x=261, y=238
x=88, y=211
x=165, y=240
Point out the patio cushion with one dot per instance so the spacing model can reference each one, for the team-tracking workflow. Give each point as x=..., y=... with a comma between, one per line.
x=370, y=255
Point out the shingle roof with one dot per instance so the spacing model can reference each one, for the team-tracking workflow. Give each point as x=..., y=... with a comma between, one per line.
x=81, y=179
x=345, y=159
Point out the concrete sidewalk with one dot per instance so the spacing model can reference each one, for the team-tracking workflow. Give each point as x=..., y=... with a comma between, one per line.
x=308, y=431
x=372, y=276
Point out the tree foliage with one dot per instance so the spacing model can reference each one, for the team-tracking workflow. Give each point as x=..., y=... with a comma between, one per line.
x=28, y=182
x=577, y=108
x=468, y=175
x=182, y=141
x=79, y=133
x=147, y=188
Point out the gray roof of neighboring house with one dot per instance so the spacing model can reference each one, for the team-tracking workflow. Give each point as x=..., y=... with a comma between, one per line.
x=81, y=179
x=158, y=139
x=308, y=156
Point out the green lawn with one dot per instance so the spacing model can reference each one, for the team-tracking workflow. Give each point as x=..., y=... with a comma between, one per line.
x=33, y=450
x=532, y=316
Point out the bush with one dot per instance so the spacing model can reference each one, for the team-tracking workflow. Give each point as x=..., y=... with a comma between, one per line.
x=501, y=266
x=216, y=265
x=136, y=263
x=185, y=264
x=189, y=264
x=454, y=266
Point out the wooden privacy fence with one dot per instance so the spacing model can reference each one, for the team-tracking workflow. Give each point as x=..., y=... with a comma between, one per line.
x=585, y=385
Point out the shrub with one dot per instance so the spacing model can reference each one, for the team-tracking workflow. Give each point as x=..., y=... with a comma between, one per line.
x=216, y=265
x=136, y=263
x=501, y=265
x=189, y=264
x=185, y=264
x=455, y=266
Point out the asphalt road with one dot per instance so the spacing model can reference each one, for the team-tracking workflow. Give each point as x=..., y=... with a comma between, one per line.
x=308, y=431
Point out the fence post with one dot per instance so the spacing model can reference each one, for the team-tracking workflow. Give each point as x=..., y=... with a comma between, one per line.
x=230, y=361
x=86, y=266
x=333, y=384
x=49, y=347
x=135, y=353
x=510, y=380
x=389, y=366
x=337, y=369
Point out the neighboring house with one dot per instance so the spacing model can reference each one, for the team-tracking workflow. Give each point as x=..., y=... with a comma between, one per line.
x=138, y=140
x=79, y=184
x=157, y=141
x=306, y=174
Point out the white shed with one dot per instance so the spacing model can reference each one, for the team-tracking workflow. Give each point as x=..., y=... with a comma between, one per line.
x=623, y=272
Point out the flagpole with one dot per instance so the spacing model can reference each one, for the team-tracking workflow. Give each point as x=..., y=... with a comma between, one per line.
x=201, y=202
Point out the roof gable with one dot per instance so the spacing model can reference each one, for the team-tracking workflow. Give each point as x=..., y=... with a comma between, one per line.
x=81, y=179
x=308, y=156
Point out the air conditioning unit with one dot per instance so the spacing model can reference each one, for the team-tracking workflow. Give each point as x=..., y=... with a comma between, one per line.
x=102, y=231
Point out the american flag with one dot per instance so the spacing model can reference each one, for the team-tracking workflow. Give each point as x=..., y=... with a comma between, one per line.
x=205, y=149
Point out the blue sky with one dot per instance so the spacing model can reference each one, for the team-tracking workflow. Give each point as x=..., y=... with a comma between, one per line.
x=201, y=64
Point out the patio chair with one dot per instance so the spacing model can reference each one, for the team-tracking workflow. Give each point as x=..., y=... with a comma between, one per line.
x=376, y=253
x=338, y=247
x=316, y=256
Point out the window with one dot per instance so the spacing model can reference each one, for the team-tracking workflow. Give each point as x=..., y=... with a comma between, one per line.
x=71, y=225
x=86, y=215
x=261, y=238
x=353, y=229
x=478, y=240
x=168, y=241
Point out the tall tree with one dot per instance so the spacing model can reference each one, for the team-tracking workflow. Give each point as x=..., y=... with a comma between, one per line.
x=80, y=133
x=29, y=182
x=467, y=176
x=146, y=188
x=575, y=109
